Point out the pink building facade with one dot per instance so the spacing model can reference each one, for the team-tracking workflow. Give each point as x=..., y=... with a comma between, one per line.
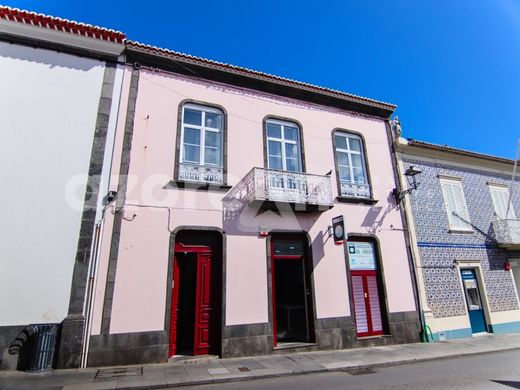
x=219, y=240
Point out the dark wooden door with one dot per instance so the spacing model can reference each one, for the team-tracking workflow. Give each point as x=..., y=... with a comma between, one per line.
x=203, y=307
x=367, y=310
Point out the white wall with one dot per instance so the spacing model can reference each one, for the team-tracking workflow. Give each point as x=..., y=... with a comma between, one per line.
x=48, y=108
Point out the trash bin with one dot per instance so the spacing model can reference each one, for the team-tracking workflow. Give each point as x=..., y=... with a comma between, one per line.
x=38, y=351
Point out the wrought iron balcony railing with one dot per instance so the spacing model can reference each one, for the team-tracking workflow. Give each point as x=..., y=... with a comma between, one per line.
x=200, y=174
x=269, y=185
x=507, y=233
x=355, y=190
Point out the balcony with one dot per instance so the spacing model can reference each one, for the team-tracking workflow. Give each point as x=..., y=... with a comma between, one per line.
x=302, y=191
x=507, y=233
x=194, y=173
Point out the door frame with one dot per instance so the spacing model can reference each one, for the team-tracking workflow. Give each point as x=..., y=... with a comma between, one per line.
x=199, y=250
x=174, y=234
x=380, y=279
x=308, y=275
x=465, y=264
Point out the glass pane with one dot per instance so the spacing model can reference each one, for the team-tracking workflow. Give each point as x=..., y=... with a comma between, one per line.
x=212, y=139
x=211, y=156
x=292, y=165
x=343, y=159
x=290, y=133
x=359, y=175
x=213, y=120
x=192, y=117
x=355, y=144
x=291, y=151
x=341, y=142
x=191, y=136
x=274, y=131
x=356, y=161
x=286, y=247
x=344, y=173
x=275, y=148
x=275, y=162
x=474, y=301
x=191, y=154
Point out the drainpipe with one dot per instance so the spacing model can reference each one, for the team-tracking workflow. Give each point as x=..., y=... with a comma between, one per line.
x=413, y=256
x=104, y=186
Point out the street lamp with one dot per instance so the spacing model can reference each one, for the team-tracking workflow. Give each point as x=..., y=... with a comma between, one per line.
x=410, y=174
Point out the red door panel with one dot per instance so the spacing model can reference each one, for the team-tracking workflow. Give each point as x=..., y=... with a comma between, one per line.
x=360, y=311
x=203, y=306
x=174, y=309
x=367, y=309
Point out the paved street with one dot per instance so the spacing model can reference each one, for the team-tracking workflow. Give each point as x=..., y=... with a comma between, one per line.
x=472, y=362
x=489, y=371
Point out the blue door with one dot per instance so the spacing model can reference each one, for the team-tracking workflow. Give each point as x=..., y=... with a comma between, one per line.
x=473, y=300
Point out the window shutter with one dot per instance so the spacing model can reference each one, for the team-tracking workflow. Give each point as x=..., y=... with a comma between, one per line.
x=458, y=216
x=359, y=304
x=500, y=196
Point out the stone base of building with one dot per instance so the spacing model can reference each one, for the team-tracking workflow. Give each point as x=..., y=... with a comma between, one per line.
x=249, y=340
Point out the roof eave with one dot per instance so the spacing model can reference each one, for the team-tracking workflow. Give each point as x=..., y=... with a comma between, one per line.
x=254, y=80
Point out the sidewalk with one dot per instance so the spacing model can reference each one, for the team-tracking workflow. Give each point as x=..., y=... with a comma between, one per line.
x=213, y=370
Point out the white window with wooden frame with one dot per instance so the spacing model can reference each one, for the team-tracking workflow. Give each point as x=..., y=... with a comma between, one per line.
x=458, y=216
x=351, y=165
x=500, y=199
x=283, y=146
x=201, y=149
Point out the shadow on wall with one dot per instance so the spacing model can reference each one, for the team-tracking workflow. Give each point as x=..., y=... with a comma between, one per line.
x=371, y=222
x=50, y=58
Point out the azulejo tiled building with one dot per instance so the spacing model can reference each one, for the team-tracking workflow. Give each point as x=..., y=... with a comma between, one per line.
x=465, y=238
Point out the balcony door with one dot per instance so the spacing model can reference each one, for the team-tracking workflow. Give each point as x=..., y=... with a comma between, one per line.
x=284, y=159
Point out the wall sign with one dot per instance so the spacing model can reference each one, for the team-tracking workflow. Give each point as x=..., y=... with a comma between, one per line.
x=338, y=230
x=361, y=255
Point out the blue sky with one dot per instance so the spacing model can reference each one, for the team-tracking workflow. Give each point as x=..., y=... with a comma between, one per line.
x=452, y=67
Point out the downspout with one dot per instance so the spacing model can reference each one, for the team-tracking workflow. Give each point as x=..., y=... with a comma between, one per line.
x=100, y=212
x=406, y=226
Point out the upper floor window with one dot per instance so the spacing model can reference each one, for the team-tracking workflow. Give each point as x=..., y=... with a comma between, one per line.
x=283, y=146
x=201, y=150
x=351, y=165
x=500, y=198
x=458, y=216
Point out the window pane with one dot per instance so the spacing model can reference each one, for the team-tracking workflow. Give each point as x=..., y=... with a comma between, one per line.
x=356, y=161
x=192, y=117
x=274, y=131
x=292, y=165
x=341, y=142
x=275, y=149
x=355, y=145
x=275, y=162
x=359, y=175
x=191, y=136
x=213, y=120
x=290, y=133
x=212, y=139
x=342, y=158
x=191, y=154
x=344, y=173
x=291, y=151
x=211, y=156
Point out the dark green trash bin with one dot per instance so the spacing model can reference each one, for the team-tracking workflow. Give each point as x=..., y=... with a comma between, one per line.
x=37, y=353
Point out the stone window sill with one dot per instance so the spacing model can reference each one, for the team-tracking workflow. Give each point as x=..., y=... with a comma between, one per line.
x=351, y=199
x=458, y=231
x=202, y=186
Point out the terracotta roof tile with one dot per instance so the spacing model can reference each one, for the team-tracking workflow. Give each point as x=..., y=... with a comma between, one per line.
x=452, y=149
x=65, y=25
x=267, y=76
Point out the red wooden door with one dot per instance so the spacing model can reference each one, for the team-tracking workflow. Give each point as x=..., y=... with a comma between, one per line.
x=174, y=309
x=203, y=305
x=202, y=321
x=367, y=310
